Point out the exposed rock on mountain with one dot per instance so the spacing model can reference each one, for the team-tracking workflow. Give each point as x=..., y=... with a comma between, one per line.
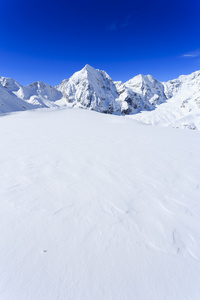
x=92, y=89
x=140, y=93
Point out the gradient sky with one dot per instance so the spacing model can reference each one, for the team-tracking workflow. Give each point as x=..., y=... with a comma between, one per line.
x=50, y=40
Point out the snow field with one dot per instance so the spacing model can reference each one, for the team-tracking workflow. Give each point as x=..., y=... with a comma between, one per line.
x=97, y=206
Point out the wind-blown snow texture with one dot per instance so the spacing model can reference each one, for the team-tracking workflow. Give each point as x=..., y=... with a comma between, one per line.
x=96, y=206
x=175, y=103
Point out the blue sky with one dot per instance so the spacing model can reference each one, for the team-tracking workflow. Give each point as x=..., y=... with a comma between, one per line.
x=50, y=40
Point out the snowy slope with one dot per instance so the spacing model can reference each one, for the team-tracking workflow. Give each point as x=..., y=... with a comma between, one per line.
x=9, y=102
x=96, y=206
x=14, y=96
x=182, y=109
x=41, y=94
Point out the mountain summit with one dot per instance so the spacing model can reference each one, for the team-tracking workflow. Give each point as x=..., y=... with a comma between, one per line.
x=91, y=88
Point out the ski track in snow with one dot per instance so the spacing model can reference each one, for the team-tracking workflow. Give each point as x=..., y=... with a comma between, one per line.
x=97, y=206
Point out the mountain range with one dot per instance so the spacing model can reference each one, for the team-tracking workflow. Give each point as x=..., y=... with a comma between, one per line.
x=94, y=204
x=174, y=103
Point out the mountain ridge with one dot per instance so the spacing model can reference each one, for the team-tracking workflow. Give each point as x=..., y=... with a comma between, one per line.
x=142, y=97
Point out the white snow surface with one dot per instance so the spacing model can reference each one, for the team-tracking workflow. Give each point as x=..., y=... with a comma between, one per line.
x=96, y=206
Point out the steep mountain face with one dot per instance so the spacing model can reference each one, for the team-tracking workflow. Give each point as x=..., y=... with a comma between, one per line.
x=130, y=101
x=140, y=93
x=14, y=96
x=92, y=89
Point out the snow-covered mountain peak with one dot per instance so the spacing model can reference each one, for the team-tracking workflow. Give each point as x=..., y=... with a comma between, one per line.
x=89, y=73
x=83, y=73
x=40, y=85
x=42, y=90
x=9, y=84
x=142, y=92
x=187, y=84
x=90, y=88
x=135, y=79
x=182, y=107
x=193, y=76
x=89, y=68
x=93, y=89
x=140, y=80
x=14, y=96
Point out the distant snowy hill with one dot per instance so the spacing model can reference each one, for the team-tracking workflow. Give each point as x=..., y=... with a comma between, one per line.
x=14, y=96
x=182, y=108
x=9, y=102
x=174, y=103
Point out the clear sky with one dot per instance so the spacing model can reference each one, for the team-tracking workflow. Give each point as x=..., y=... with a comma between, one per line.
x=50, y=40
